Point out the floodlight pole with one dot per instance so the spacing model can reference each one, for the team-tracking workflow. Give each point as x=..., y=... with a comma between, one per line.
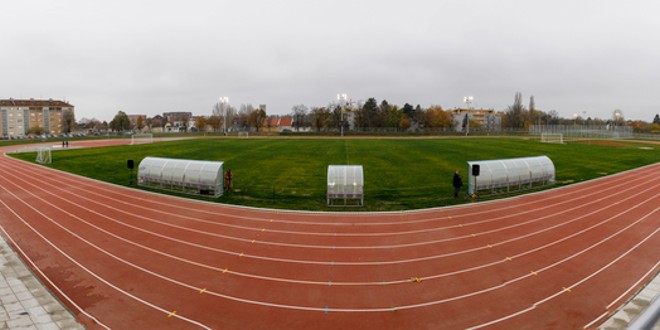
x=468, y=102
x=342, y=102
x=224, y=101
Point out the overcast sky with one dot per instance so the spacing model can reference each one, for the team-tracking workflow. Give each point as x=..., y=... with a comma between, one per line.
x=150, y=57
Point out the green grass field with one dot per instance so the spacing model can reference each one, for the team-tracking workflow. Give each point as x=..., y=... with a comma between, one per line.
x=400, y=173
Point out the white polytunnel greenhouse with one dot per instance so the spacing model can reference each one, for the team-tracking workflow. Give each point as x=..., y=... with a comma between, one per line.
x=505, y=174
x=182, y=175
x=345, y=185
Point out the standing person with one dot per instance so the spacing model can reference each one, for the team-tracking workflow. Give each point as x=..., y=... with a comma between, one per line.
x=458, y=183
x=228, y=177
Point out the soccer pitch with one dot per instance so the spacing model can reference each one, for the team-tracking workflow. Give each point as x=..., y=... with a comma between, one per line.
x=400, y=173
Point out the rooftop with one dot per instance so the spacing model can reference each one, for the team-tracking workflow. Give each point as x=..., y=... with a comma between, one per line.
x=33, y=103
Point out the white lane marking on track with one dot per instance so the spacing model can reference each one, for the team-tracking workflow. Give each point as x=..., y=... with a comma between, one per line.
x=114, y=208
x=616, y=189
x=626, y=292
x=87, y=270
x=325, y=263
x=47, y=279
x=572, y=286
x=163, y=277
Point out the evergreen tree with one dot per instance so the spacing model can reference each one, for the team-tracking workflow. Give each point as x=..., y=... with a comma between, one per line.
x=409, y=111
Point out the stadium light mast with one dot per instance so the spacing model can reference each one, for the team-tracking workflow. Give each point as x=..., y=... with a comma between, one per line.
x=468, y=103
x=342, y=99
x=617, y=115
x=224, y=101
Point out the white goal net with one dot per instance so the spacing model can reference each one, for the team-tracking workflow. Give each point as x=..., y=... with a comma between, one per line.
x=44, y=155
x=244, y=135
x=142, y=138
x=552, y=138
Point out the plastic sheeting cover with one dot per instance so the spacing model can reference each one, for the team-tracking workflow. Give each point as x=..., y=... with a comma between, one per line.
x=345, y=181
x=509, y=172
x=182, y=172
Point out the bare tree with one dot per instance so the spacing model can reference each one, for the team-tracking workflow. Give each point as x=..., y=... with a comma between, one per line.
x=321, y=118
x=299, y=116
x=225, y=111
x=516, y=112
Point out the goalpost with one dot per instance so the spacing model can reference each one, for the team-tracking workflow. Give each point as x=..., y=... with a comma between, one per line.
x=244, y=135
x=142, y=138
x=44, y=155
x=552, y=138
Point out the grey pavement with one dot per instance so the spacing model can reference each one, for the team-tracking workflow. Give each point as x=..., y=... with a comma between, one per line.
x=25, y=303
x=631, y=310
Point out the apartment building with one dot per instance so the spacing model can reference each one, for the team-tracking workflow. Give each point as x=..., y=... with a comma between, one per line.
x=17, y=117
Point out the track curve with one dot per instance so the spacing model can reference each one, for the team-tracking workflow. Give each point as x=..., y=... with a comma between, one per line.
x=123, y=258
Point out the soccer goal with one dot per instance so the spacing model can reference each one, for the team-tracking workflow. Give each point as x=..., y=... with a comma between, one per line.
x=244, y=135
x=552, y=138
x=142, y=138
x=44, y=155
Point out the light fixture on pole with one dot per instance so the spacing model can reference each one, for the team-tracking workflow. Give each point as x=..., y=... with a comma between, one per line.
x=342, y=99
x=617, y=116
x=224, y=102
x=468, y=102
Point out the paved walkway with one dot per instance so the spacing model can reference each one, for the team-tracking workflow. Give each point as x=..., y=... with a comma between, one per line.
x=25, y=303
x=629, y=312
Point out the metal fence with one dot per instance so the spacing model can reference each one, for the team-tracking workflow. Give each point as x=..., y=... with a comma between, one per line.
x=584, y=131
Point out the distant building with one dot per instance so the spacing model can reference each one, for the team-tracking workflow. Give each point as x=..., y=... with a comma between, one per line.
x=278, y=124
x=134, y=121
x=489, y=120
x=17, y=117
x=178, y=121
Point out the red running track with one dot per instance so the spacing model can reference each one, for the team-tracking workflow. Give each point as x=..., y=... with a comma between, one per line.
x=122, y=258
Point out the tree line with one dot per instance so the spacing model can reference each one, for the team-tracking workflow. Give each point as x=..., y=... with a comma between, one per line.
x=375, y=116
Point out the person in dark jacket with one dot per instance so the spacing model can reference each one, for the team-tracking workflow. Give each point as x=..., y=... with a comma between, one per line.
x=228, y=180
x=458, y=183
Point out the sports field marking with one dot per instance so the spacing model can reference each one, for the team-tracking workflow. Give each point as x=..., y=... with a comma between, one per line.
x=333, y=263
x=87, y=270
x=53, y=285
x=625, y=293
x=380, y=283
x=569, y=288
x=630, y=184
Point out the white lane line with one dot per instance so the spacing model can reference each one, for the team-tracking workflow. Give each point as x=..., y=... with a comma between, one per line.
x=47, y=279
x=407, y=245
x=549, y=298
x=87, y=270
x=619, y=201
x=624, y=294
x=307, y=308
x=386, y=309
x=616, y=189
